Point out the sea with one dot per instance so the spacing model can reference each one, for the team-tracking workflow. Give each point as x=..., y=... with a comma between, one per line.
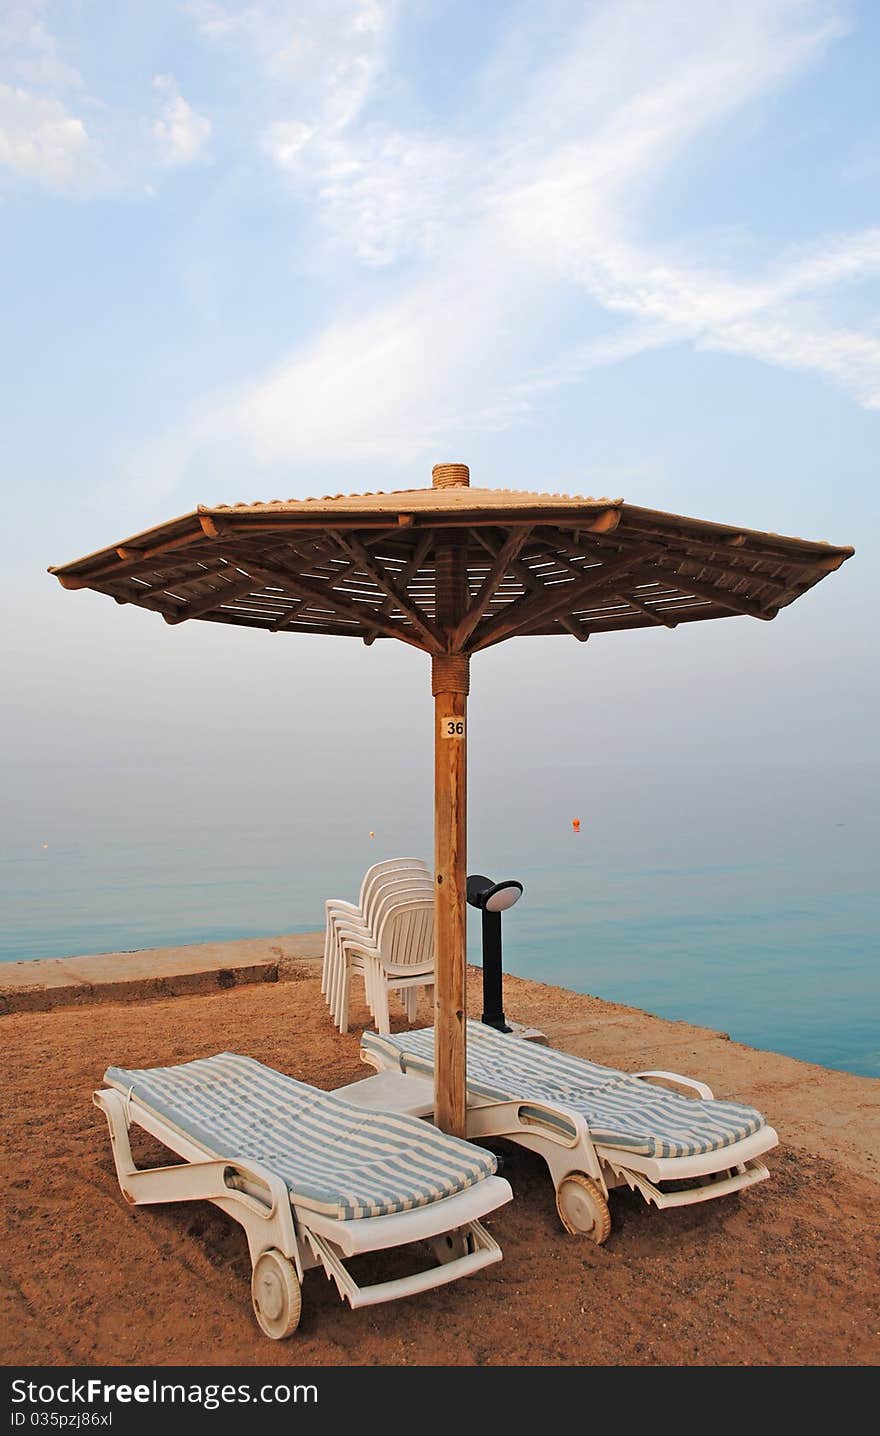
x=742, y=898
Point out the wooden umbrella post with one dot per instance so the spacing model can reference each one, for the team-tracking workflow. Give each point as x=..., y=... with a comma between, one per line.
x=450, y=680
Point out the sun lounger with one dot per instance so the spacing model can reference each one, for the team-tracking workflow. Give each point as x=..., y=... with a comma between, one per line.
x=312, y=1178
x=596, y=1128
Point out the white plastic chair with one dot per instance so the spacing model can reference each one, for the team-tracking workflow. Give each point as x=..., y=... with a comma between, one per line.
x=401, y=883
x=350, y=936
x=401, y=957
x=338, y=910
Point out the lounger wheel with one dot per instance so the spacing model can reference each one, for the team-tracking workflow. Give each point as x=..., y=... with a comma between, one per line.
x=582, y=1208
x=276, y=1294
x=452, y=1245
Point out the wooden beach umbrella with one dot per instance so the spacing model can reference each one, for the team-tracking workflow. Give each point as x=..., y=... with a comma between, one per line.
x=451, y=570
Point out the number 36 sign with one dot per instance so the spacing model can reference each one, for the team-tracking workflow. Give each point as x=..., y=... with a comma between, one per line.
x=452, y=728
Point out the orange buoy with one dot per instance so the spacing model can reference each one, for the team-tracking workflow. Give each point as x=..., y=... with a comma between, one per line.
x=576, y=824
x=372, y=834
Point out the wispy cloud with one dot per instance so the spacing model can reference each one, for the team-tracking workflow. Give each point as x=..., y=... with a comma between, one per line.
x=43, y=139
x=40, y=140
x=29, y=50
x=549, y=197
x=56, y=133
x=180, y=134
x=333, y=49
x=461, y=239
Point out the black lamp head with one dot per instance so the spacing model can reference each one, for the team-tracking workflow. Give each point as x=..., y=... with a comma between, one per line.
x=488, y=896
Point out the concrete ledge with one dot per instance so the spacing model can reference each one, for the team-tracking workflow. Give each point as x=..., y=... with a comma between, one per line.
x=155, y=972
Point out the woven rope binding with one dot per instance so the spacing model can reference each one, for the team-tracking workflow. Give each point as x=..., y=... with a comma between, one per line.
x=450, y=476
x=450, y=673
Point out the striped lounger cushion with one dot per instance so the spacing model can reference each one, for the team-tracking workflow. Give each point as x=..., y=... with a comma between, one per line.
x=620, y=1111
x=337, y=1159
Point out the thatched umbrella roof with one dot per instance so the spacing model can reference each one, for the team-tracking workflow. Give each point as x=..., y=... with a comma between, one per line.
x=364, y=565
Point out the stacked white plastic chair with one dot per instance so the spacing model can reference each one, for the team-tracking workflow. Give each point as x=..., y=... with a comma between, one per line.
x=356, y=939
x=339, y=913
x=388, y=933
x=401, y=956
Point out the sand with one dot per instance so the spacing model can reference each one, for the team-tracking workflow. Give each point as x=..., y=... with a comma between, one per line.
x=785, y=1274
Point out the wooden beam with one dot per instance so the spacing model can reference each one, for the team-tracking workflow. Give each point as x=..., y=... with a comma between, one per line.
x=237, y=619
x=486, y=591
x=148, y=600
x=735, y=602
x=573, y=625
x=288, y=525
x=124, y=568
x=567, y=622
x=387, y=535
x=288, y=618
x=434, y=639
x=638, y=520
x=727, y=575
x=412, y=567
x=530, y=581
x=209, y=601
x=202, y=575
x=603, y=521
x=532, y=584
x=829, y=565
x=705, y=557
x=480, y=536
x=551, y=602
x=576, y=629
x=648, y=612
x=363, y=615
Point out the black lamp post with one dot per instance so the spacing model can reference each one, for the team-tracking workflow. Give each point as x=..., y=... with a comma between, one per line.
x=492, y=899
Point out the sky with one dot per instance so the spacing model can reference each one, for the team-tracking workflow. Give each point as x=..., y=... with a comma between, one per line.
x=257, y=249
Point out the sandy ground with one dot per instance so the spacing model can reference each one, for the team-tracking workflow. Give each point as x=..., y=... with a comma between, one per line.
x=785, y=1274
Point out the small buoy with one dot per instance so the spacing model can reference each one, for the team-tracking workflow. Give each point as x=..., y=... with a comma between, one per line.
x=45, y=845
x=372, y=834
x=576, y=824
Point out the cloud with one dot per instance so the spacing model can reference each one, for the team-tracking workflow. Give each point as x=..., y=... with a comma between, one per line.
x=494, y=226
x=57, y=133
x=322, y=64
x=373, y=186
x=40, y=140
x=30, y=51
x=284, y=141
x=851, y=358
x=180, y=133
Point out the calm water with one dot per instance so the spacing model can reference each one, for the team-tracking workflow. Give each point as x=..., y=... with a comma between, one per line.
x=743, y=900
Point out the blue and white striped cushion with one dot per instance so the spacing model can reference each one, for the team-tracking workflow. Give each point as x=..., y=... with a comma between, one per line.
x=620, y=1110
x=336, y=1158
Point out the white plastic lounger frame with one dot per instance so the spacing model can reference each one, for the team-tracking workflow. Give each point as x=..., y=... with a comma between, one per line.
x=285, y=1239
x=583, y=1168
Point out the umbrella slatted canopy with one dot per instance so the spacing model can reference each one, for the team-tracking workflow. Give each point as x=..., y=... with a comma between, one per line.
x=451, y=570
